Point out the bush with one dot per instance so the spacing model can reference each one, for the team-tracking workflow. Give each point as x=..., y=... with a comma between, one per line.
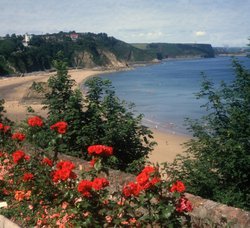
x=111, y=121
x=41, y=192
x=217, y=161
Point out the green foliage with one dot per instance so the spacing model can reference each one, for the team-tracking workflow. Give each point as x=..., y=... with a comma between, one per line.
x=4, y=68
x=217, y=160
x=64, y=103
x=174, y=50
x=111, y=122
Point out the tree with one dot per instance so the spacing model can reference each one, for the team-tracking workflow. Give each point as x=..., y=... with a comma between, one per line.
x=217, y=161
x=111, y=122
x=65, y=104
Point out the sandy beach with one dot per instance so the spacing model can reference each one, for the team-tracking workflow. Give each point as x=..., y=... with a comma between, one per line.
x=13, y=89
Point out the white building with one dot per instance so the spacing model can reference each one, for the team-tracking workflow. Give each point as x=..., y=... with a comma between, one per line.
x=26, y=40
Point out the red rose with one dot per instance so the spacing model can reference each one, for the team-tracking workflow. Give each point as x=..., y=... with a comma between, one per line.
x=28, y=177
x=92, y=162
x=142, y=178
x=131, y=189
x=149, y=169
x=100, y=183
x=100, y=150
x=65, y=165
x=178, y=186
x=35, y=121
x=85, y=187
x=4, y=128
x=47, y=161
x=184, y=205
x=60, y=127
x=27, y=157
x=18, y=155
x=18, y=136
x=64, y=171
x=148, y=177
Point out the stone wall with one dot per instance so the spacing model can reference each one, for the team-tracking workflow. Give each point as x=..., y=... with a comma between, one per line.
x=206, y=213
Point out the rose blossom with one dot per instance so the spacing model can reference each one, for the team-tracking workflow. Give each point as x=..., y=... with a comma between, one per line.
x=18, y=136
x=100, y=150
x=85, y=187
x=18, y=155
x=35, y=121
x=47, y=161
x=184, y=205
x=178, y=186
x=28, y=177
x=131, y=189
x=60, y=127
x=63, y=171
x=99, y=183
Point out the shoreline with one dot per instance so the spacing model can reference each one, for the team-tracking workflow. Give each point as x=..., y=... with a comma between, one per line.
x=168, y=146
x=13, y=90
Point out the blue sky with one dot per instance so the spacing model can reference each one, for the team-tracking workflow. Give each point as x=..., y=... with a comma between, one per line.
x=219, y=22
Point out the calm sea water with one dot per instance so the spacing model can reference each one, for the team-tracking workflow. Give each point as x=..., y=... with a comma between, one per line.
x=165, y=93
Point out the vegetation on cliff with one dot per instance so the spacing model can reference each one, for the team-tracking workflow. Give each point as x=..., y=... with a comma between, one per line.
x=84, y=50
x=172, y=50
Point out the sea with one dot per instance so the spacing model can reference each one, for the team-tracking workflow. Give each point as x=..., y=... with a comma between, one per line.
x=165, y=93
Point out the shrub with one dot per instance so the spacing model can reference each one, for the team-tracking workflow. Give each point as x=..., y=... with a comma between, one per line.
x=217, y=161
x=40, y=192
x=65, y=104
x=112, y=122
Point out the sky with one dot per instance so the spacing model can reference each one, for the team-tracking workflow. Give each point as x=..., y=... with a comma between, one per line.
x=218, y=22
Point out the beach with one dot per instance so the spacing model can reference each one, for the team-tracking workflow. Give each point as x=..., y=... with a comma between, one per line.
x=13, y=89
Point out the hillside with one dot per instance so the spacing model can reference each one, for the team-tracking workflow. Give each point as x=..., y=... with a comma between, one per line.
x=172, y=50
x=231, y=50
x=28, y=53
x=22, y=54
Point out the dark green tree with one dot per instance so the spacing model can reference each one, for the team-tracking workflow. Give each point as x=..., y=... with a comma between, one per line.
x=111, y=122
x=65, y=104
x=217, y=161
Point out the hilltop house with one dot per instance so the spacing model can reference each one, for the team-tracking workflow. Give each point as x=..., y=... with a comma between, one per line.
x=26, y=40
x=74, y=36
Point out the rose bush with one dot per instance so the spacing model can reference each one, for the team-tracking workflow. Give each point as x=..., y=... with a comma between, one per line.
x=41, y=192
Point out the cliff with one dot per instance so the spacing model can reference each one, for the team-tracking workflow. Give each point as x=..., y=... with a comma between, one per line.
x=172, y=50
